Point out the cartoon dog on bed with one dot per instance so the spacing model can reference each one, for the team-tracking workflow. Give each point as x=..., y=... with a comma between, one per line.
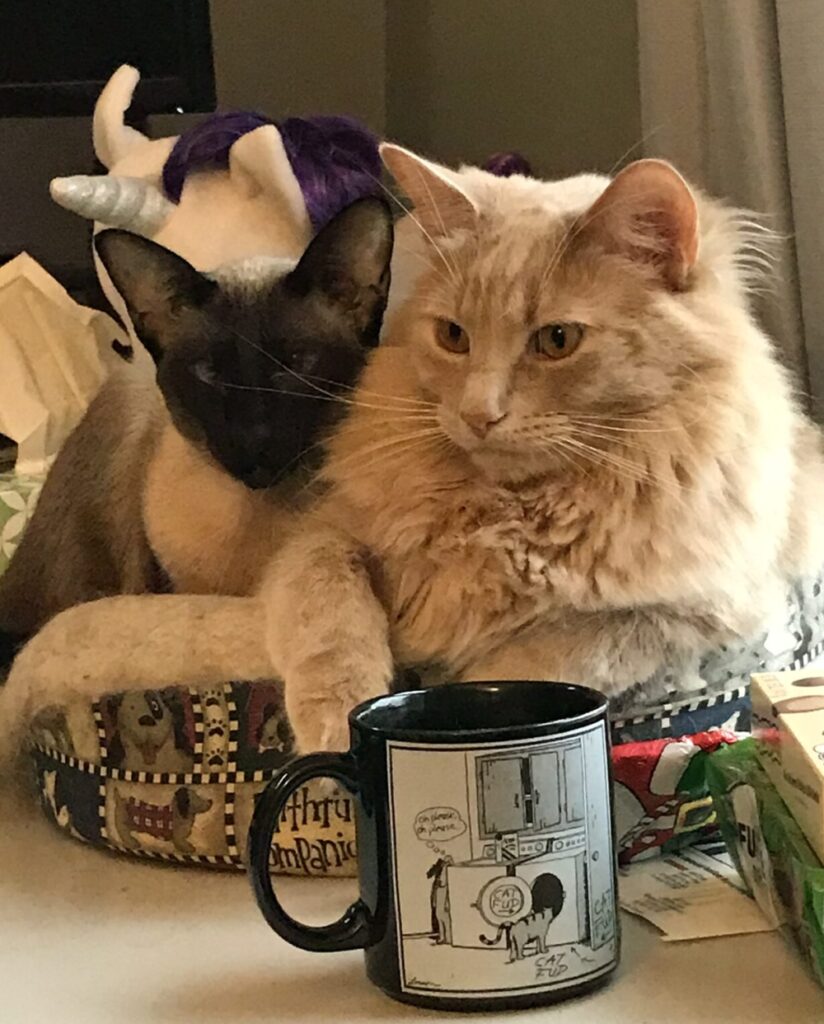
x=146, y=728
x=171, y=822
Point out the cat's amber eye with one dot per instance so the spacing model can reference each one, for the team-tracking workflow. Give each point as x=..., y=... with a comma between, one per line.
x=556, y=341
x=451, y=336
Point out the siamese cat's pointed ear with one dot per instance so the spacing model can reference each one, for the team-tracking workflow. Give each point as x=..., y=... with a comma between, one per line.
x=441, y=205
x=158, y=286
x=649, y=214
x=347, y=263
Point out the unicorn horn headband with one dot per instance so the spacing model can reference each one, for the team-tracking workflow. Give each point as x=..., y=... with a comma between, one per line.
x=119, y=202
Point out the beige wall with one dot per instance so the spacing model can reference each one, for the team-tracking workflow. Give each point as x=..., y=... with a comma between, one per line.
x=458, y=79
x=557, y=79
x=301, y=56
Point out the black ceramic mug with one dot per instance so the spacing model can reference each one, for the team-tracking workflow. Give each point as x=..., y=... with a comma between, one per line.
x=485, y=844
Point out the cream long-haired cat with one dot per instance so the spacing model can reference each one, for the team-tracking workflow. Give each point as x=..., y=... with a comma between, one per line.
x=575, y=455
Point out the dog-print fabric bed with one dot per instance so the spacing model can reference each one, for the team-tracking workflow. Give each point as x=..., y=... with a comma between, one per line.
x=174, y=774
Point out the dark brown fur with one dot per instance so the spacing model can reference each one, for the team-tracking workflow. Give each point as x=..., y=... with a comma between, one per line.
x=89, y=540
x=248, y=363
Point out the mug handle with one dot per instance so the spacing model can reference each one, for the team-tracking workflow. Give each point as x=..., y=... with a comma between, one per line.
x=352, y=930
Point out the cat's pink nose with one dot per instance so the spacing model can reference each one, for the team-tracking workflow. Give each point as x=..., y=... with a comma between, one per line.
x=480, y=421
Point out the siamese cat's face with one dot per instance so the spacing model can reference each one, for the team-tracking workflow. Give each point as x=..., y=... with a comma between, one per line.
x=251, y=361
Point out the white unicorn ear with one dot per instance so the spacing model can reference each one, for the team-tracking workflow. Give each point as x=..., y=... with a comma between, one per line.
x=441, y=205
x=118, y=202
x=258, y=161
x=111, y=136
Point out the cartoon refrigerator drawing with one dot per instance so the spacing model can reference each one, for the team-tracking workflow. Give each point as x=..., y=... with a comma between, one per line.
x=508, y=884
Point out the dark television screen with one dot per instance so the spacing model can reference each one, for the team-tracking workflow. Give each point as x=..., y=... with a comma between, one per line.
x=55, y=55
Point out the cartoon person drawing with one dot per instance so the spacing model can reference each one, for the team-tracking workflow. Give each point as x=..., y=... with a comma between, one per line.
x=439, y=898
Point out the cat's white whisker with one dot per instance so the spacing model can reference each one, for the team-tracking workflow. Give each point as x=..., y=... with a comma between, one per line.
x=637, y=426
x=425, y=184
x=393, y=446
x=306, y=379
x=624, y=466
x=628, y=469
x=279, y=363
x=422, y=259
x=371, y=455
x=610, y=457
x=452, y=270
x=400, y=412
x=619, y=442
x=569, y=457
x=423, y=403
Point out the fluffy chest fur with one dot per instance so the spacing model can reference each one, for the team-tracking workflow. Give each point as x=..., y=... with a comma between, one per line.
x=466, y=562
x=468, y=569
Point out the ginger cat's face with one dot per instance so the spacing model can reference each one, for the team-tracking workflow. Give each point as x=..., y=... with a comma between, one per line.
x=551, y=320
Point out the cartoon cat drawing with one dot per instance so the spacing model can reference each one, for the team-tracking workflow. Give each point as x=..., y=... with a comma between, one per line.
x=547, y=902
x=519, y=934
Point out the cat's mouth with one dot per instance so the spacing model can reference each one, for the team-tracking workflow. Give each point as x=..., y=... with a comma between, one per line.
x=497, y=439
x=508, y=452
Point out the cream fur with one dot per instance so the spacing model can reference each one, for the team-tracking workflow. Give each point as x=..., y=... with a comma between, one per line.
x=517, y=554
x=211, y=534
x=647, y=496
x=130, y=643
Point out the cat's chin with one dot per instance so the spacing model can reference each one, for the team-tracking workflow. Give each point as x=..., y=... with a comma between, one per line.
x=510, y=466
x=499, y=461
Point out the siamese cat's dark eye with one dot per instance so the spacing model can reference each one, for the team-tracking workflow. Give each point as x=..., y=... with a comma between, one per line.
x=301, y=362
x=556, y=341
x=451, y=336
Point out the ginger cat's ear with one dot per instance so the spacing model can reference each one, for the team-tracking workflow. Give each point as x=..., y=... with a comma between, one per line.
x=649, y=213
x=441, y=205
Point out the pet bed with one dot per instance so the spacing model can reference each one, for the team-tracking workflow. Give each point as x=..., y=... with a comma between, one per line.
x=173, y=774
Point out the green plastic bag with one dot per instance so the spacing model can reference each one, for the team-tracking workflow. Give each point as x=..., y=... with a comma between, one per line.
x=770, y=851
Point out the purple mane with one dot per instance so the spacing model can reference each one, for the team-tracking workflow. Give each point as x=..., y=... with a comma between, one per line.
x=506, y=164
x=335, y=159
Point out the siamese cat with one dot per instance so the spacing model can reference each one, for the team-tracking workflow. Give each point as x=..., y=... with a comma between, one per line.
x=188, y=482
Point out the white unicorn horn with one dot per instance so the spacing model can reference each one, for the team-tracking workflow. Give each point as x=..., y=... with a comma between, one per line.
x=118, y=202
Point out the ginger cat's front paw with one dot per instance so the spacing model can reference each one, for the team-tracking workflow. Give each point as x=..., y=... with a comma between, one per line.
x=319, y=711
x=320, y=725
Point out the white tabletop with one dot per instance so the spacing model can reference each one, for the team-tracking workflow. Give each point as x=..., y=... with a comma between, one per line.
x=88, y=937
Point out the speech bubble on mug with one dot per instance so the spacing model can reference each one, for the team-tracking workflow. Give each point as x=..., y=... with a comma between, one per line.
x=439, y=824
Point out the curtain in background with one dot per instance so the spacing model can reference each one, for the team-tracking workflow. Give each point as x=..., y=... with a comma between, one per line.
x=732, y=91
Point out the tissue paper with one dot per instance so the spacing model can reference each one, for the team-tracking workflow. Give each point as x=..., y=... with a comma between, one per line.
x=54, y=355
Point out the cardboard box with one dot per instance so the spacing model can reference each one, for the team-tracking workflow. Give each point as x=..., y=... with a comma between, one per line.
x=788, y=724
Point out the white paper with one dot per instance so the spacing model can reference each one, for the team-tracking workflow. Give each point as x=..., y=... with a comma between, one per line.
x=54, y=355
x=691, y=895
